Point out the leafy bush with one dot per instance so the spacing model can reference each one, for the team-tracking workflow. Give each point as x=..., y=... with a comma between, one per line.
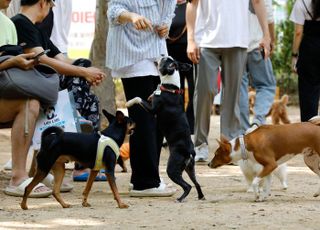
x=281, y=59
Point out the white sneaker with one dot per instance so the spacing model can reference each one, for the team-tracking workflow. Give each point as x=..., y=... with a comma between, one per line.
x=162, y=191
x=8, y=165
x=202, y=152
x=252, y=128
x=169, y=185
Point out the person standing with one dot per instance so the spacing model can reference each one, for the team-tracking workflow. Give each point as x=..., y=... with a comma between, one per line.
x=136, y=38
x=177, y=48
x=259, y=73
x=306, y=55
x=220, y=29
x=61, y=24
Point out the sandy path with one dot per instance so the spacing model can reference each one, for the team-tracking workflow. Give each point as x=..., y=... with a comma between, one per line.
x=227, y=205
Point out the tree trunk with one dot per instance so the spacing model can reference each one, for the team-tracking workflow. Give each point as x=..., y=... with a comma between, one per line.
x=106, y=91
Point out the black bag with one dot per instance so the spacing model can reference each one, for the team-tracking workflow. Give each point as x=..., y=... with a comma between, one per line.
x=13, y=50
x=41, y=83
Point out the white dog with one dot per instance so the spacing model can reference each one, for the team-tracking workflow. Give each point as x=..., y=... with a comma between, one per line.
x=251, y=169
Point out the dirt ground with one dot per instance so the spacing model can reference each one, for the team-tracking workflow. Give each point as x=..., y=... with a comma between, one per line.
x=227, y=204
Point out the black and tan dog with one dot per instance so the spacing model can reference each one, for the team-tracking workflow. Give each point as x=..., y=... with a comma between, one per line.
x=167, y=105
x=91, y=150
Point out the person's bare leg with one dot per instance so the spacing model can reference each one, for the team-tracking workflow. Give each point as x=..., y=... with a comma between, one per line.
x=16, y=109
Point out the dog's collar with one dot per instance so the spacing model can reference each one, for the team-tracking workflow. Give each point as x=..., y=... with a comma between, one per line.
x=105, y=141
x=244, y=152
x=174, y=91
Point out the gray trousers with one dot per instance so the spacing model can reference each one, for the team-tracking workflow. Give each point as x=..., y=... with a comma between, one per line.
x=232, y=62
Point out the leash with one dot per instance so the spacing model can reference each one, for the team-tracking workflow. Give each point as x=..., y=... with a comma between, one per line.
x=244, y=152
x=174, y=91
x=26, y=119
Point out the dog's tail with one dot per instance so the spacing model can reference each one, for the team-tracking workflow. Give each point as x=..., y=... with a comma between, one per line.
x=284, y=99
x=54, y=130
x=315, y=120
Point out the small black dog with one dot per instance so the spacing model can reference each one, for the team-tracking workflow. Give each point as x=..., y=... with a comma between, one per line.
x=168, y=106
x=59, y=147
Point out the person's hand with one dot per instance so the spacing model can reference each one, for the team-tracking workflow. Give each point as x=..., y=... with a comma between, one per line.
x=93, y=75
x=272, y=47
x=23, y=61
x=140, y=22
x=265, y=44
x=162, y=31
x=193, y=52
x=294, y=64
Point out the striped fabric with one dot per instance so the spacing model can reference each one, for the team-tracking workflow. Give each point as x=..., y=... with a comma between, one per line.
x=126, y=45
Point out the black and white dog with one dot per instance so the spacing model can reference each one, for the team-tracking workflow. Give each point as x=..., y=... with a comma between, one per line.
x=167, y=105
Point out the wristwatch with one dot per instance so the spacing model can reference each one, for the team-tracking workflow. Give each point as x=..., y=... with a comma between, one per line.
x=294, y=54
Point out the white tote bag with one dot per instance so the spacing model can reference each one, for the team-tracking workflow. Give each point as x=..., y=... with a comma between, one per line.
x=62, y=114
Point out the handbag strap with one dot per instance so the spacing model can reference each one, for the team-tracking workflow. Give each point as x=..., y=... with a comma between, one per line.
x=305, y=6
x=174, y=39
x=26, y=121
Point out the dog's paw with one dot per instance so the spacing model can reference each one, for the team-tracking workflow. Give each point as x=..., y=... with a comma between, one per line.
x=86, y=204
x=133, y=101
x=65, y=205
x=123, y=205
x=284, y=186
x=24, y=206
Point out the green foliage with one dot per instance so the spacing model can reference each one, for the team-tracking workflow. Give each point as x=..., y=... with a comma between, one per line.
x=281, y=59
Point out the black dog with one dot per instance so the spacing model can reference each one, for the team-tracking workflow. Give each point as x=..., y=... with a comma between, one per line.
x=59, y=147
x=168, y=106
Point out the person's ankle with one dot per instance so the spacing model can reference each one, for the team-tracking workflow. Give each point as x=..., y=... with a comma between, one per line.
x=16, y=180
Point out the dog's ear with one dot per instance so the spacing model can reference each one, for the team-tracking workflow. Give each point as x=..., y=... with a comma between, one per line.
x=109, y=116
x=183, y=66
x=173, y=66
x=120, y=117
x=285, y=99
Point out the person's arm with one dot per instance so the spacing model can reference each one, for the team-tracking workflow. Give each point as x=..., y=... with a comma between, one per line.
x=297, y=37
x=167, y=15
x=193, y=51
x=260, y=10
x=22, y=61
x=139, y=22
x=91, y=74
x=119, y=13
x=272, y=36
x=270, y=18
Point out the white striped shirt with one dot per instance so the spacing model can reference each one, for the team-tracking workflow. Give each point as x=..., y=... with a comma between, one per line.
x=126, y=45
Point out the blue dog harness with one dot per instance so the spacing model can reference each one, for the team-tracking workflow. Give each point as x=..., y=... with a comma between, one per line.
x=105, y=141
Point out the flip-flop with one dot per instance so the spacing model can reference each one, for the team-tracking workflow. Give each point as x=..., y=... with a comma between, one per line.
x=49, y=181
x=19, y=190
x=84, y=176
x=101, y=176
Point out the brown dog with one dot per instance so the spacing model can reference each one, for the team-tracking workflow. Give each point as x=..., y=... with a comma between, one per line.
x=271, y=145
x=278, y=111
